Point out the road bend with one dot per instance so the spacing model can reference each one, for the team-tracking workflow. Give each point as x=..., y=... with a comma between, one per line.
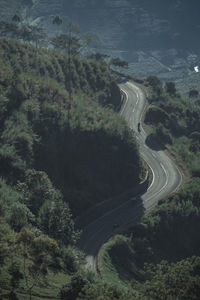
x=166, y=178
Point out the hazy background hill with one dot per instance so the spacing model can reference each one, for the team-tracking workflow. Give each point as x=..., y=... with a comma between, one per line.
x=155, y=37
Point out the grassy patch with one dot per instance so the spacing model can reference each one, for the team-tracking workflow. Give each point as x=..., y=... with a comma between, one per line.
x=116, y=262
x=48, y=290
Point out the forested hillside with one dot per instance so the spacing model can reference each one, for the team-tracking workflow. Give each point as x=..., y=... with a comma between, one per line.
x=63, y=148
x=159, y=257
x=175, y=121
x=75, y=137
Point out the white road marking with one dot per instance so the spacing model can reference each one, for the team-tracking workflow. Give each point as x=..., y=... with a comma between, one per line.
x=127, y=98
x=181, y=180
x=90, y=258
x=163, y=168
x=165, y=175
x=137, y=99
x=153, y=177
x=163, y=185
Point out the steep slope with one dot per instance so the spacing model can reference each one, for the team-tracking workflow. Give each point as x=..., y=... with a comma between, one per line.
x=159, y=257
x=86, y=149
x=63, y=148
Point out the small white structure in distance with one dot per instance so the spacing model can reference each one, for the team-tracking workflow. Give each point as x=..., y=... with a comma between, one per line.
x=196, y=69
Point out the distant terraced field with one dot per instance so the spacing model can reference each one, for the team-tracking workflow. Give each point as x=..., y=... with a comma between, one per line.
x=152, y=37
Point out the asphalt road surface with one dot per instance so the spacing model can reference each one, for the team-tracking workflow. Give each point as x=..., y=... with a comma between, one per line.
x=166, y=178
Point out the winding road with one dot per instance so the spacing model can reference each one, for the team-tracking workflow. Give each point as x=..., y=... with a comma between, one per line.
x=166, y=178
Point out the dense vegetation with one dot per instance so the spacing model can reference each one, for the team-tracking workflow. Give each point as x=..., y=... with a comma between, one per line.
x=175, y=121
x=67, y=135
x=161, y=257
x=63, y=148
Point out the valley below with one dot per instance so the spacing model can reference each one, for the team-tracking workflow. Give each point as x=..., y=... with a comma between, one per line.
x=154, y=38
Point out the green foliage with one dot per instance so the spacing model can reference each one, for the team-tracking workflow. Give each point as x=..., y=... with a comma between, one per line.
x=155, y=83
x=70, y=291
x=56, y=220
x=72, y=259
x=193, y=93
x=113, y=268
x=39, y=254
x=170, y=88
x=62, y=147
x=23, y=31
x=160, y=257
x=20, y=216
x=163, y=134
x=16, y=275
x=72, y=40
x=16, y=18
x=8, y=196
x=172, y=229
x=156, y=115
x=36, y=189
x=177, y=119
x=43, y=129
x=8, y=29
x=6, y=238
x=100, y=289
x=16, y=214
x=117, y=62
x=57, y=20
x=67, y=43
x=172, y=281
x=18, y=132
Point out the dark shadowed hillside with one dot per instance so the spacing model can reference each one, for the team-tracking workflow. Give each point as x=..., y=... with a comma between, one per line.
x=63, y=148
x=58, y=119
